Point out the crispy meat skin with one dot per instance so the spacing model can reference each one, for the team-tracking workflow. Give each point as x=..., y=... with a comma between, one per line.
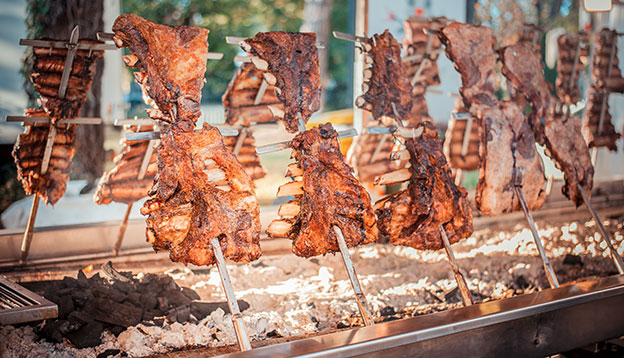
x=173, y=60
x=591, y=121
x=454, y=138
x=412, y=217
x=121, y=183
x=46, y=78
x=240, y=94
x=293, y=60
x=561, y=135
x=28, y=154
x=470, y=48
x=331, y=196
x=247, y=156
x=567, y=76
x=186, y=210
x=387, y=81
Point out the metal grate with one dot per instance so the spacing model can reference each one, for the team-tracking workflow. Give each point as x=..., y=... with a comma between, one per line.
x=18, y=305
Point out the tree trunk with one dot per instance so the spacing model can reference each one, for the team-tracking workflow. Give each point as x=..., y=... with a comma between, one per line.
x=56, y=19
x=316, y=18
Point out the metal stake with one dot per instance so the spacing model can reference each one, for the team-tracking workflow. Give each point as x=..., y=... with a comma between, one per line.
x=28, y=234
x=459, y=277
x=237, y=317
x=550, y=273
x=240, y=140
x=72, y=48
x=614, y=255
x=355, y=283
x=122, y=231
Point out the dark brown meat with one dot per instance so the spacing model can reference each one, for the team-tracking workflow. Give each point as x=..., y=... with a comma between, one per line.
x=28, y=153
x=122, y=184
x=595, y=134
x=412, y=217
x=46, y=77
x=370, y=156
x=454, y=140
x=386, y=89
x=573, y=48
x=561, y=134
x=239, y=97
x=201, y=192
x=292, y=66
x=605, y=51
x=247, y=155
x=328, y=195
x=530, y=34
x=173, y=63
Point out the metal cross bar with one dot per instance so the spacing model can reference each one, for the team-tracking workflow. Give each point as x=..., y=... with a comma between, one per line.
x=348, y=37
x=236, y=40
x=237, y=317
x=72, y=48
x=550, y=273
x=135, y=122
x=617, y=259
x=32, y=120
x=108, y=36
x=403, y=132
x=225, y=131
x=459, y=276
x=240, y=140
x=355, y=283
x=63, y=44
x=269, y=148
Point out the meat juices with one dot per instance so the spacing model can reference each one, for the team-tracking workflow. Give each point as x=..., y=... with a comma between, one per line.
x=412, y=217
x=28, y=153
x=552, y=126
x=290, y=60
x=327, y=195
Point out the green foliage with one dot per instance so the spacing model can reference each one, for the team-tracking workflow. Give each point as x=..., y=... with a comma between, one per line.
x=223, y=18
x=36, y=11
x=340, y=60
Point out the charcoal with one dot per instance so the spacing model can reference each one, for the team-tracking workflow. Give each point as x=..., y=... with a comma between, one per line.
x=109, y=293
x=570, y=259
x=79, y=317
x=521, y=282
x=70, y=282
x=134, y=298
x=168, y=283
x=113, y=275
x=190, y=293
x=387, y=311
x=179, y=314
x=116, y=330
x=176, y=298
x=148, y=300
x=87, y=336
x=163, y=303
x=452, y=296
x=81, y=295
x=202, y=309
x=65, y=306
x=82, y=280
x=111, y=353
x=54, y=330
x=120, y=314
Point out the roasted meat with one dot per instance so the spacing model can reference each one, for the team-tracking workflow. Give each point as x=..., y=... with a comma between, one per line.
x=201, y=192
x=28, y=153
x=552, y=125
x=595, y=133
x=454, y=141
x=244, y=149
x=46, y=76
x=123, y=183
x=573, y=48
x=422, y=51
x=370, y=156
x=386, y=89
x=291, y=64
x=172, y=62
x=530, y=34
x=327, y=195
x=605, y=52
x=239, y=98
x=412, y=217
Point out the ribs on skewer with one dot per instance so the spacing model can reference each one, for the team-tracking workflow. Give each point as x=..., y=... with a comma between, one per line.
x=553, y=126
x=326, y=195
x=597, y=106
x=47, y=70
x=412, y=217
x=573, y=50
x=290, y=61
x=122, y=183
x=246, y=155
x=603, y=76
x=424, y=50
x=370, y=157
x=454, y=141
x=172, y=78
x=239, y=98
x=28, y=153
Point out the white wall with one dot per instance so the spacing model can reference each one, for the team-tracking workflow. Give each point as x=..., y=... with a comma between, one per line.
x=112, y=102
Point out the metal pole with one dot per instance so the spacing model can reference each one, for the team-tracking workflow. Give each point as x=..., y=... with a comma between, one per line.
x=550, y=273
x=28, y=234
x=459, y=277
x=237, y=317
x=614, y=255
x=459, y=177
x=355, y=283
x=122, y=231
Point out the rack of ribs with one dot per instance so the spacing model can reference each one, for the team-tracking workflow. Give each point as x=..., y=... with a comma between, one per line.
x=422, y=50
x=290, y=63
x=326, y=195
x=122, y=183
x=454, y=141
x=597, y=106
x=239, y=99
x=412, y=217
x=553, y=125
x=28, y=153
x=201, y=192
x=246, y=153
x=507, y=149
x=573, y=52
x=370, y=156
x=386, y=88
x=172, y=79
x=605, y=53
x=47, y=70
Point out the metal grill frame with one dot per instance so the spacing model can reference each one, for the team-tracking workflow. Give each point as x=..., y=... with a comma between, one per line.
x=30, y=306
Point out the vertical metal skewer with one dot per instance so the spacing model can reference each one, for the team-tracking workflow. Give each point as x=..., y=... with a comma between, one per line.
x=237, y=317
x=29, y=230
x=603, y=109
x=355, y=283
x=459, y=276
x=617, y=259
x=550, y=273
x=122, y=231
